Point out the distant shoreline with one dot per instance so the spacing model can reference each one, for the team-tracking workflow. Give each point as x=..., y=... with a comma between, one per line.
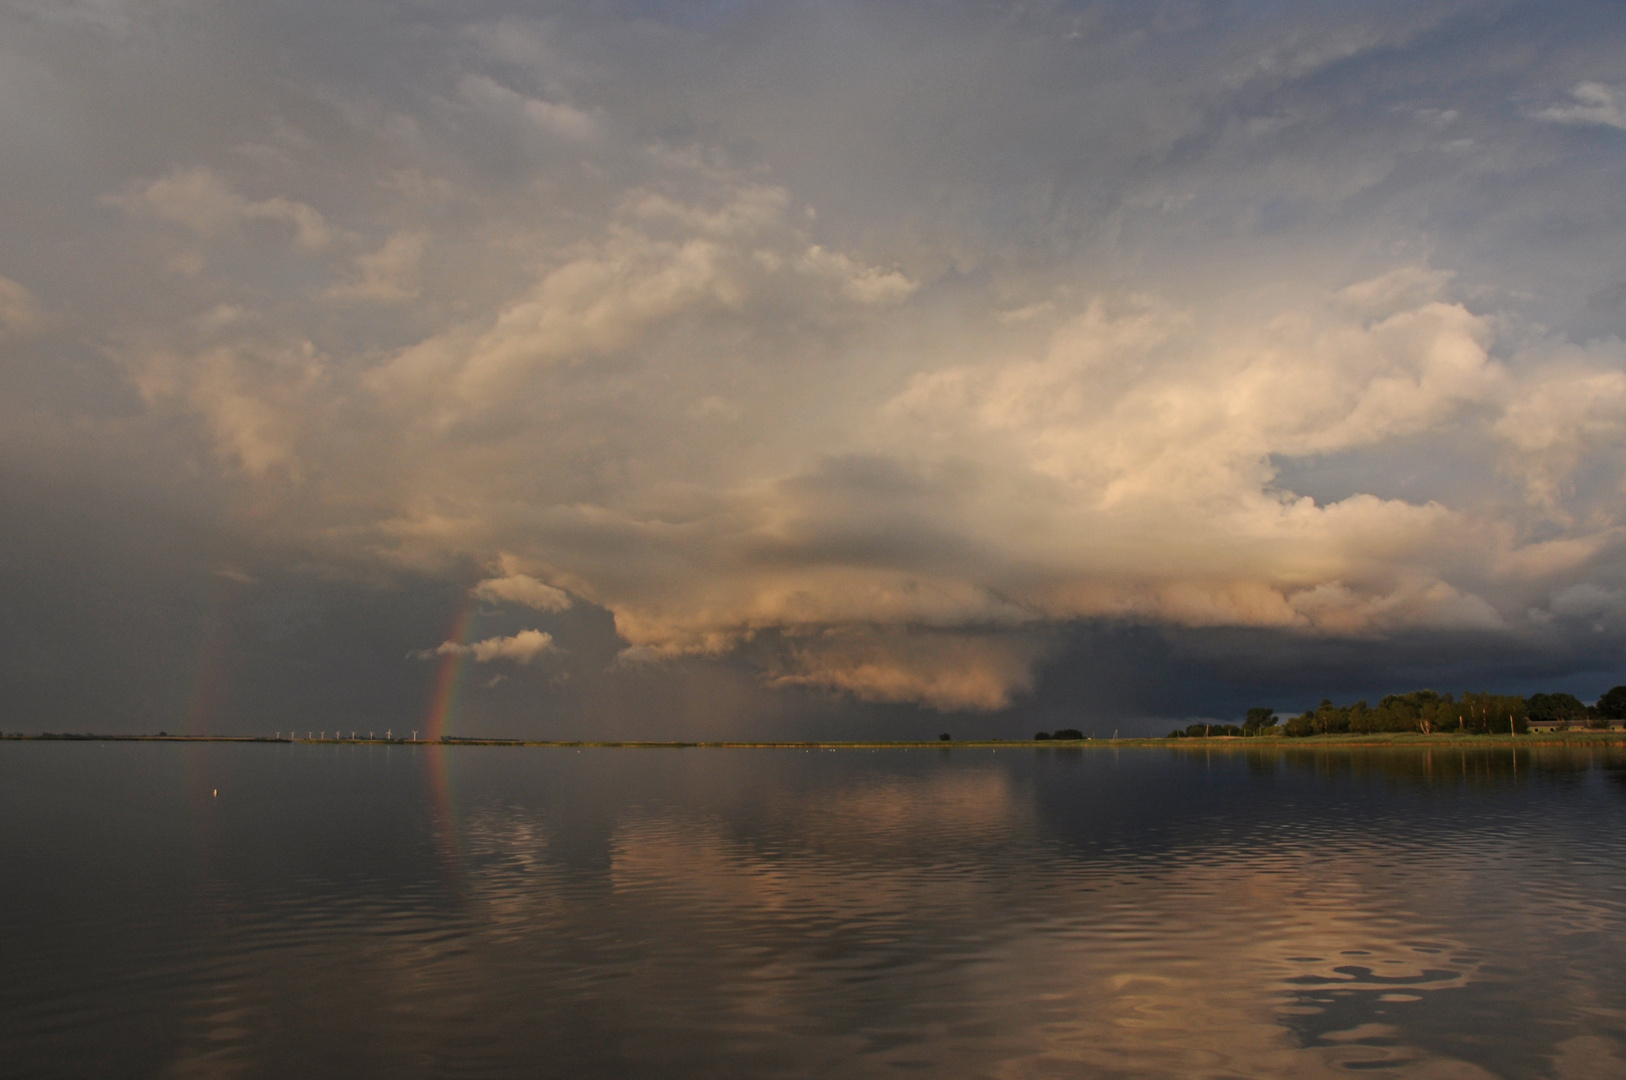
x=1397, y=740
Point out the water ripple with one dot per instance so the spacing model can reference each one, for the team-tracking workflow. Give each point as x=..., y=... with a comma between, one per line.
x=478, y=913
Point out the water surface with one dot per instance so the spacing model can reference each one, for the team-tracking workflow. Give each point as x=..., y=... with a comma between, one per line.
x=360, y=911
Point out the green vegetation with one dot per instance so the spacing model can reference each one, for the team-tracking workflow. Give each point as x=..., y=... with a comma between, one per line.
x=1612, y=706
x=1259, y=720
x=1566, y=710
x=1428, y=712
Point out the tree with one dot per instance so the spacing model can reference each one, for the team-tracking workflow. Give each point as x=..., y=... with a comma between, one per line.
x=1490, y=714
x=1041, y=736
x=1300, y=726
x=1612, y=706
x=1067, y=733
x=1258, y=720
x=944, y=737
x=1420, y=710
x=1564, y=709
x=1330, y=719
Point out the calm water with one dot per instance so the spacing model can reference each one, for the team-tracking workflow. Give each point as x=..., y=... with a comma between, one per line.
x=397, y=912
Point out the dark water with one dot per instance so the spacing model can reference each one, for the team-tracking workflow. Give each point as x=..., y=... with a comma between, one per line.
x=398, y=912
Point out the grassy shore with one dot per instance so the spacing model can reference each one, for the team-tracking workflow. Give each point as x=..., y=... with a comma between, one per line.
x=1221, y=742
x=1412, y=738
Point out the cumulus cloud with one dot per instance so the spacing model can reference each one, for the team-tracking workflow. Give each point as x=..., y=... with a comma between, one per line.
x=1157, y=434
x=1122, y=467
x=1124, y=472
x=521, y=648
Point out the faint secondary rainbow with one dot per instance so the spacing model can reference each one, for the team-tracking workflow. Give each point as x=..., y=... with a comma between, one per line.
x=446, y=678
x=209, y=697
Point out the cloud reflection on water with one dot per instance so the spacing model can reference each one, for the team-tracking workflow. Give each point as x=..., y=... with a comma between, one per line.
x=1026, y=914
x=994, y=946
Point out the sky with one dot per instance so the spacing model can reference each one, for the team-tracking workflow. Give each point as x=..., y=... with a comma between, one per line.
x=748, y=369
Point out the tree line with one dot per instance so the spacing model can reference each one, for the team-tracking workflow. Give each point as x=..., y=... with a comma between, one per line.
x=1426, y=711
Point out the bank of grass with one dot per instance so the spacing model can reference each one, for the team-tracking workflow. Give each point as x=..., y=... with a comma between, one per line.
x=1410, y=738
x=1219, y=742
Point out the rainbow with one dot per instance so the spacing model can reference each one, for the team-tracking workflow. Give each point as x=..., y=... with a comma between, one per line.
x=441, y=702
x=446, y=678
x=212, y=668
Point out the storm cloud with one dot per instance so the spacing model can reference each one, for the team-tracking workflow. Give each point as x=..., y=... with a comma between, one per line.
x=880, y=356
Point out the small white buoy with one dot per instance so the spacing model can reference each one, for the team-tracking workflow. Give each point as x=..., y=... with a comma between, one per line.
x=215, y=794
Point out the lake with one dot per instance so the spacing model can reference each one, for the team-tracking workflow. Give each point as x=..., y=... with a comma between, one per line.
x=288, y=910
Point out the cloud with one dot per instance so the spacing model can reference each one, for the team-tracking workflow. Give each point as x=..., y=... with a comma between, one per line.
x=946, y=671
x=111, y=16
x=1591, y=103
x=199, y=201
x=21, y=313
x=1564, y=416
x=838, y=342
x=1154, y=434
x=1583, y=599
x=1120, y=467
x=385, y=276
x=522, y=589
x=555, y=120
x=257, y=398
x=663, y=266
x=521, y=648
x=865, y=284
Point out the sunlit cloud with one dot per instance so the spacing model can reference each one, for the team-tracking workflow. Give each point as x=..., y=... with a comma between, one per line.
x=523, y=589
x=521, y=648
